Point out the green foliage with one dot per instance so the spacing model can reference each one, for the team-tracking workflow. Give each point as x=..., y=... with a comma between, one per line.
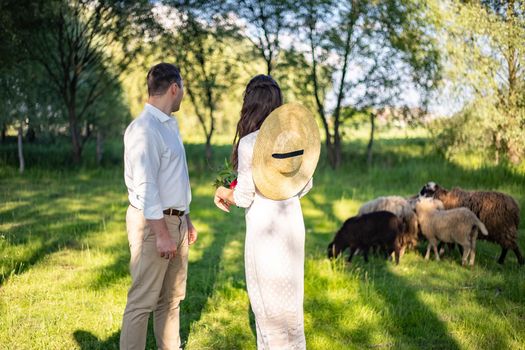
x=371, y=54
x=78, y=49
x=81, y=64
x=483, y=43
x=225, y=176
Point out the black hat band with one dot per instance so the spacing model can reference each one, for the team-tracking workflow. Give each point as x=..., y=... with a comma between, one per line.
x=288, y=155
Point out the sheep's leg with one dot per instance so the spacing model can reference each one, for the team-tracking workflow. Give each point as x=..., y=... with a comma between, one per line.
x=517, y=251
x=472, y=253
x=402, y=251
x=352, y=252
x=427, y=255
x=466, y=252
x=365, y=254
x=460, y=247
x=389, y=251
x=441, y=248
x=501, y=259
x=386, y=251
x=434, y=246
x=396, y=254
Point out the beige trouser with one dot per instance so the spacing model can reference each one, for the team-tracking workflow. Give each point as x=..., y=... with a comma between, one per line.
x=158, y=285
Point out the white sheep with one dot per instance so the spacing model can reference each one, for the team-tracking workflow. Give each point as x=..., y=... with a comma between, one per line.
x=459, y=225
x=400, y=207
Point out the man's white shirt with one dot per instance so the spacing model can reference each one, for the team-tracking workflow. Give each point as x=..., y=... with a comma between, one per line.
x=155, y=168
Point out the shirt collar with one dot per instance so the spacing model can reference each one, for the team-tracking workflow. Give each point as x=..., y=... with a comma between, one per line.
x=160, y=115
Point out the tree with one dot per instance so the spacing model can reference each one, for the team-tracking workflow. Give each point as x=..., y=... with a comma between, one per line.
x=84, y=46
x=367, y=46
x=21, y=105
x=266, y=20
x=206, y=63
x=485, y=60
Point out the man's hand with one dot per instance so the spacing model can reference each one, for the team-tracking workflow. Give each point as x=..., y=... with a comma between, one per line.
x=166, y=246
x=192, y=234
x=192, y=231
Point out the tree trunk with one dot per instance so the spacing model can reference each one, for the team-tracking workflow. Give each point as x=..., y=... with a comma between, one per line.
x=4, y=132
x=100, y=147
x=20, y=150
x=209, y=151
x=30, y=134
x=334, y=153
x=338, y=153
x=269, y=66
x=75, y=135
x=371, y=141
x=330, y=151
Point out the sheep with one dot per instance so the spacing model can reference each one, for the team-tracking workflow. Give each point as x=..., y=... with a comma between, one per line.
x=361, y=232
x=458, y=225
x=403, y=210
x=499, y=212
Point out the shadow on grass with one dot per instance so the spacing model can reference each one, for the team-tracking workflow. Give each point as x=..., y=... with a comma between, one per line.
x=398, y=168
x=45, y=220
x=402, y=320
x=202, y=275
x=42, y=220
x=88, y=341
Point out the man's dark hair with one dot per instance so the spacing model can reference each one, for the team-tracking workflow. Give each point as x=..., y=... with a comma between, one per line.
x=161, y=76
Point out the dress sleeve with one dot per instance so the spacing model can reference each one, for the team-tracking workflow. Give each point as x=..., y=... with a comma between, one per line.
x=244, y=192
x=306, y=188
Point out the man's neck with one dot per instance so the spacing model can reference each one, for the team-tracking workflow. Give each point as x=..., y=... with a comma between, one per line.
x=162, y=105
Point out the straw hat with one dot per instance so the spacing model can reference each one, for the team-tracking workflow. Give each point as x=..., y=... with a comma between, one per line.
x=286, y=152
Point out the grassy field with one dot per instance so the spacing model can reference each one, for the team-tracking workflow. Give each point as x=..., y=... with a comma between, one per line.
x=64, y=255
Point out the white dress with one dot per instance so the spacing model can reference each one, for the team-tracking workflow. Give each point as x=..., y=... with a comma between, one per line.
x=274, y=258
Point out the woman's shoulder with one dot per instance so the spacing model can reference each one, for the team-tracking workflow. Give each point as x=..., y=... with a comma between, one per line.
x=248, y=140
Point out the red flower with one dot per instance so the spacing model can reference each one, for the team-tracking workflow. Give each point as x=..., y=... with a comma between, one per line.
x=233, y=184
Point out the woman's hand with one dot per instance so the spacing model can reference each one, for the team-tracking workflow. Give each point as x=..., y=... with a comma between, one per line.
x=221, y=198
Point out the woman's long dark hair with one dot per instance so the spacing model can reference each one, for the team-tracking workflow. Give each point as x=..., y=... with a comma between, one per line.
x=261, y=97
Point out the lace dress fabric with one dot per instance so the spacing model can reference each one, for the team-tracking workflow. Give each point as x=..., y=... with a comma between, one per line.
x=274, y=258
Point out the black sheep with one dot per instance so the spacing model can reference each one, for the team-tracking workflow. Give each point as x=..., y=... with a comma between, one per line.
x=499, y=212
x=380, y=228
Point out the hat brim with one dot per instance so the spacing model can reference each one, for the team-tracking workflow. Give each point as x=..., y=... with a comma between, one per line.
x=269, y=181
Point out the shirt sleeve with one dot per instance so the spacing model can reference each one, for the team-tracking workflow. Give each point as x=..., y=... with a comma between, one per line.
x=306, y=188
x=244, y=192
x=144, y=153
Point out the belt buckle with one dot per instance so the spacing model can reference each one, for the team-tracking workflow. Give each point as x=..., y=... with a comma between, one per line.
x=172, y=211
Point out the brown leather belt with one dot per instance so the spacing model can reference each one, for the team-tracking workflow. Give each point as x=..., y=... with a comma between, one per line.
x=171, y=211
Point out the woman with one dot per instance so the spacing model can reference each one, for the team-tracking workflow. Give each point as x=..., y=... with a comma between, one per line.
x=274, y=248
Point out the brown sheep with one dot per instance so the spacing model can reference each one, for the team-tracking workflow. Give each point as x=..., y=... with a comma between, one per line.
x=499, y=212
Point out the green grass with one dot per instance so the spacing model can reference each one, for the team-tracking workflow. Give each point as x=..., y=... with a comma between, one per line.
x=64, y=256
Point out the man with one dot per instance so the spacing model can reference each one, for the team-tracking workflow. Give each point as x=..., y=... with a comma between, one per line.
x=158, y=221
